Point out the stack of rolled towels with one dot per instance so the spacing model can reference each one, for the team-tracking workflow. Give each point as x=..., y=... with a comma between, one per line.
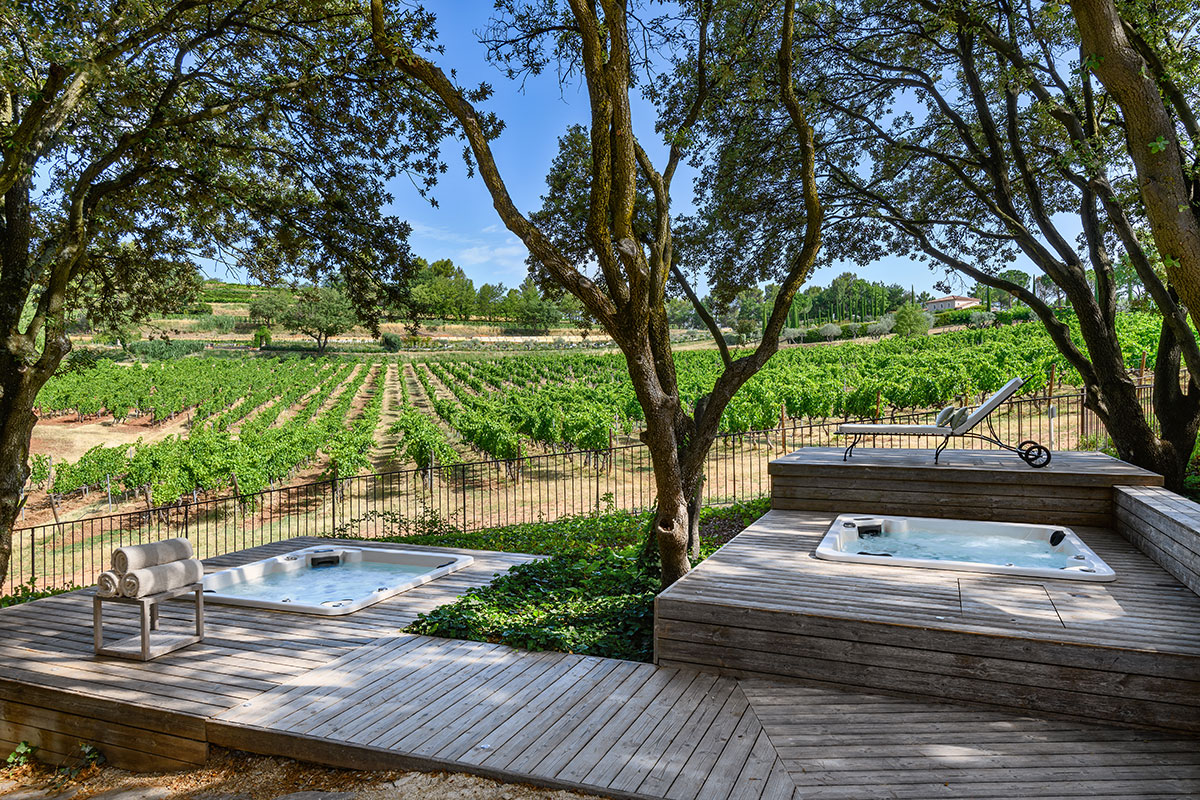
x=143, y=569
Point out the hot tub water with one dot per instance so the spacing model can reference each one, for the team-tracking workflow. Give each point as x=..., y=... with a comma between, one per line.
x=1044, y=551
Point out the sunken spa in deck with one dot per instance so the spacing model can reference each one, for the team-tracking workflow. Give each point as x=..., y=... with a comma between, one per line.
x=329, y=580
x=999, y=548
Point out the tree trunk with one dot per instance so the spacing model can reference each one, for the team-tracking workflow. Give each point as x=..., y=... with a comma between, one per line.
x=14, y=468
x=19, y=385
x=694, y=505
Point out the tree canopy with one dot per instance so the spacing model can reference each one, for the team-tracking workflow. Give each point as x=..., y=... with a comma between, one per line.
x=320, y=312
x=146, y=139
x=966, y=135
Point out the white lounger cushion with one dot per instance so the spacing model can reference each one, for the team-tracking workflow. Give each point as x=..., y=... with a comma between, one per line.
x=905, y=430
x=959, y=426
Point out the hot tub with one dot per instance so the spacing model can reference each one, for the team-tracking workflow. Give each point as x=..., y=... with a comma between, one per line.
x=328, y=580
x=1038, y=551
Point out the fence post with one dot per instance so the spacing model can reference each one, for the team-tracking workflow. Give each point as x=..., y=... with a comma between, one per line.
x=32, y=558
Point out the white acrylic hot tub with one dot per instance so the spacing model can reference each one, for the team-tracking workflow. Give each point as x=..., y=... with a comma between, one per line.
x=327, y=579
x=1039, y=551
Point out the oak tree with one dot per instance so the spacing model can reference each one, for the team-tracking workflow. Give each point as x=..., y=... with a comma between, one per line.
x=615, y=48
x=143, y=140
x=971, y=134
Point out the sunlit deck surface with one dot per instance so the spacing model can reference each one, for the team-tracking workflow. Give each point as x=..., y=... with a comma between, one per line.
x=355, y=691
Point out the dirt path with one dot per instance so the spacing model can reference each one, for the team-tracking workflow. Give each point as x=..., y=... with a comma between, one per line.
x=382, y=455
x=420, y=401
x=245, y=777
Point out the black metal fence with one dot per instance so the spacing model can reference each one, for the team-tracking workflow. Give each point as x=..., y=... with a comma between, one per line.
x=486, y=494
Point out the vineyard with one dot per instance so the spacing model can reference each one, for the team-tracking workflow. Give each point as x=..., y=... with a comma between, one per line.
x=255, y=423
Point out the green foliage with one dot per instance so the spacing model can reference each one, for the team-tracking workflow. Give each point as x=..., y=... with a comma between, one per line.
x=24, y=592
x=581, y=535
x=830, y=331
x=262, y=337
x=956, y=316
x=1017, y=314
x=85, y=358
x=911, y=321
x=591, y=596
x=163, y=350
x=22, y=754
x=421, y=440
x=392, y=342
x=320, y=313
x=597, y=605
x=215, y=323
x=39, y=469
x=220, y=393
x=270, y=308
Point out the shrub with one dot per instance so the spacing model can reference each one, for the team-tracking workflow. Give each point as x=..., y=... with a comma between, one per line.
x=392, y=342
x=981, y=319
x=792, y=334
x=24, y=592
x=262, y=337
x=957, y=316
x=199, y=309
x=829, y=331
x=911, y=320
x=217, y=323
x=882, y=326
x=1020, y=314
x=591, y=596
x=162, y=350
x=600, y=605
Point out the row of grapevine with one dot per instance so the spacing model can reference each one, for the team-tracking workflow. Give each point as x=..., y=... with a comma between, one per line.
x=208, y=386
x=471, y=418
x=210, y=456
x=349, y=448
x=421, y=440
x=573, y=399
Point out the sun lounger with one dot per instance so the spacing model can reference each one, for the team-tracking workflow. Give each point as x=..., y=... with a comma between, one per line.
x=1032, y=453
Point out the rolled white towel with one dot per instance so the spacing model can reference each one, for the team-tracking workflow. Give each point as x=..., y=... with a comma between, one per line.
x=108, y=584
x=137, y=556
x=161, y=578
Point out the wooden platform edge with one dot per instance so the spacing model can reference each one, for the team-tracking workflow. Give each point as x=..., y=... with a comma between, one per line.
x=346, y=755
x=58, y=722
x=744, y=642
x=1163, y=525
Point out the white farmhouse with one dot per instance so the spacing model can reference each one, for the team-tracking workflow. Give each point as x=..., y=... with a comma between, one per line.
x=950, y=303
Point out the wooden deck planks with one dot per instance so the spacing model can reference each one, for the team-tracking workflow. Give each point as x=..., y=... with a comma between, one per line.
x=564, y=720
x=1074, y=489
x=357, y=692
x=50, y=664
x=840, y=744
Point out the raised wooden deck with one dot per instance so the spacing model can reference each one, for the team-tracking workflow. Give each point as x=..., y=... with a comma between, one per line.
x=765, y=605
x=354, y=691
x=1075, y=489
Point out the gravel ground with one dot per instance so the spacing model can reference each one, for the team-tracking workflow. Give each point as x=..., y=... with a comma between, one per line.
x=238, y=776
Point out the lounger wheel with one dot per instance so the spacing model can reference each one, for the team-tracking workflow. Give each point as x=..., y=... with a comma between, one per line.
x=1033, y=454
